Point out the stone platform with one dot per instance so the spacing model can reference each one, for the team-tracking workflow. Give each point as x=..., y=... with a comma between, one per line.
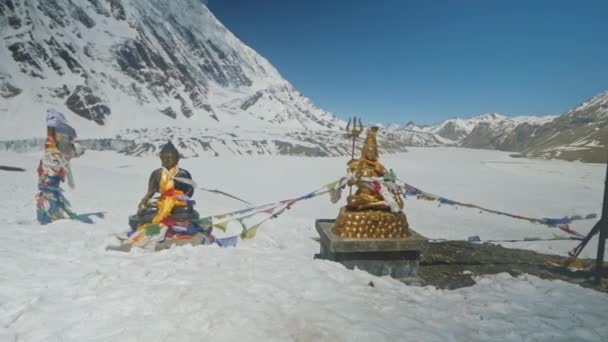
x=398, y=257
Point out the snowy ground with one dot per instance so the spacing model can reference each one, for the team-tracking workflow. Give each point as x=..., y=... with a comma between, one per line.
x=57, y=283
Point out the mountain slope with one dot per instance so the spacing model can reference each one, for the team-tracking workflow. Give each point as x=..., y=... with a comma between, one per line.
x=579, y=134
x=456, y=129
x=118, y=64
x=488, y=131
x=506, y=134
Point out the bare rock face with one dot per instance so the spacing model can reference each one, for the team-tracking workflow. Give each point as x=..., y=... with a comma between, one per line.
x=482, y=136
x=499, y=137
x=84, y=103
x=118, y=11
x=7, y=89
x=452, y=131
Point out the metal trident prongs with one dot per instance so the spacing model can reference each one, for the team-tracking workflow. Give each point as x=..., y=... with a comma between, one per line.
x=354, y=133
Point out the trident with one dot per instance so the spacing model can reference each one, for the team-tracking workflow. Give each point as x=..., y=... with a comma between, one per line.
x=353, y=133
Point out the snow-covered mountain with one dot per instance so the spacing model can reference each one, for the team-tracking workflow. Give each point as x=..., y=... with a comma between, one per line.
x=139, y=63
x=122, y=66
x=457, y=130
x=505, y=133
x=579, y=134
x=132, y=74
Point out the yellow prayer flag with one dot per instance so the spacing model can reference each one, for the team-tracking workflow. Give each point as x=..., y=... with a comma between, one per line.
x=250, y=233
x=222, y=226
x=219, y=217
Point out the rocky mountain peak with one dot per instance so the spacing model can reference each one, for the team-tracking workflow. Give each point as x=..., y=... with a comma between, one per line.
x=117, y=64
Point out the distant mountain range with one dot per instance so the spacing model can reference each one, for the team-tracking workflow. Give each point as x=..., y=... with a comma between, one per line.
x=132, y=74
x=579, y=134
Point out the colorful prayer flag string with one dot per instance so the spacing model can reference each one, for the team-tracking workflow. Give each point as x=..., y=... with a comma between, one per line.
x=562, y=223
x=274, y=210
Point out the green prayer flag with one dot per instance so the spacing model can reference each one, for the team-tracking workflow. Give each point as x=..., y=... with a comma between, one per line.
x=390, y=176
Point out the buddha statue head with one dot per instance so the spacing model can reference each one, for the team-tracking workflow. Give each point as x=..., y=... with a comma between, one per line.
x=370, y=148
x=169, y=156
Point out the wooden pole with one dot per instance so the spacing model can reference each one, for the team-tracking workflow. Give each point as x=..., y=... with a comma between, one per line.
x=603, y=226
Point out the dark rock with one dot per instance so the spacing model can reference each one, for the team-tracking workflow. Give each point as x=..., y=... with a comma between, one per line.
x=186, y=111
x=138, y=91
x=220, y=54
x=99, y=8
x=129, y=56
x=117, y=144
x=14, y=22
x=70, y=61
x=51, y=9
x=287, y=148
x=61, y=92
x=8, y=90
x=207, y=108
x=197, y=99
x=169, y=112
x=84, y=103
x=117, y=9
x=251, y=101
x=88, y=50
x=21, y=145
x=21, y=53
x=80, y=15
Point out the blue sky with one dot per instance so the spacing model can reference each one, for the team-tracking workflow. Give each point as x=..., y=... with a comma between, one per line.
x=399, y=60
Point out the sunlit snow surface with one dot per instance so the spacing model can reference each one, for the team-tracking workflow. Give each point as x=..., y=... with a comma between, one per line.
x=57, y=282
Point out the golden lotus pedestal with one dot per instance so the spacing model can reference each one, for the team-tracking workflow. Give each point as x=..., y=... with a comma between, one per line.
x=371, y=224
x=397, y=257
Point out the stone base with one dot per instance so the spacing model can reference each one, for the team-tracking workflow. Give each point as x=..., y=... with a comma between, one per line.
x=397, y=257
x=371, y=224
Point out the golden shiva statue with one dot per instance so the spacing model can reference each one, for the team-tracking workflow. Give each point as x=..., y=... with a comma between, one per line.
x=375, y=210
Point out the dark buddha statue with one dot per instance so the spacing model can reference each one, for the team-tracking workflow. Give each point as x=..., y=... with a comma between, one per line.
x=175, y=186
